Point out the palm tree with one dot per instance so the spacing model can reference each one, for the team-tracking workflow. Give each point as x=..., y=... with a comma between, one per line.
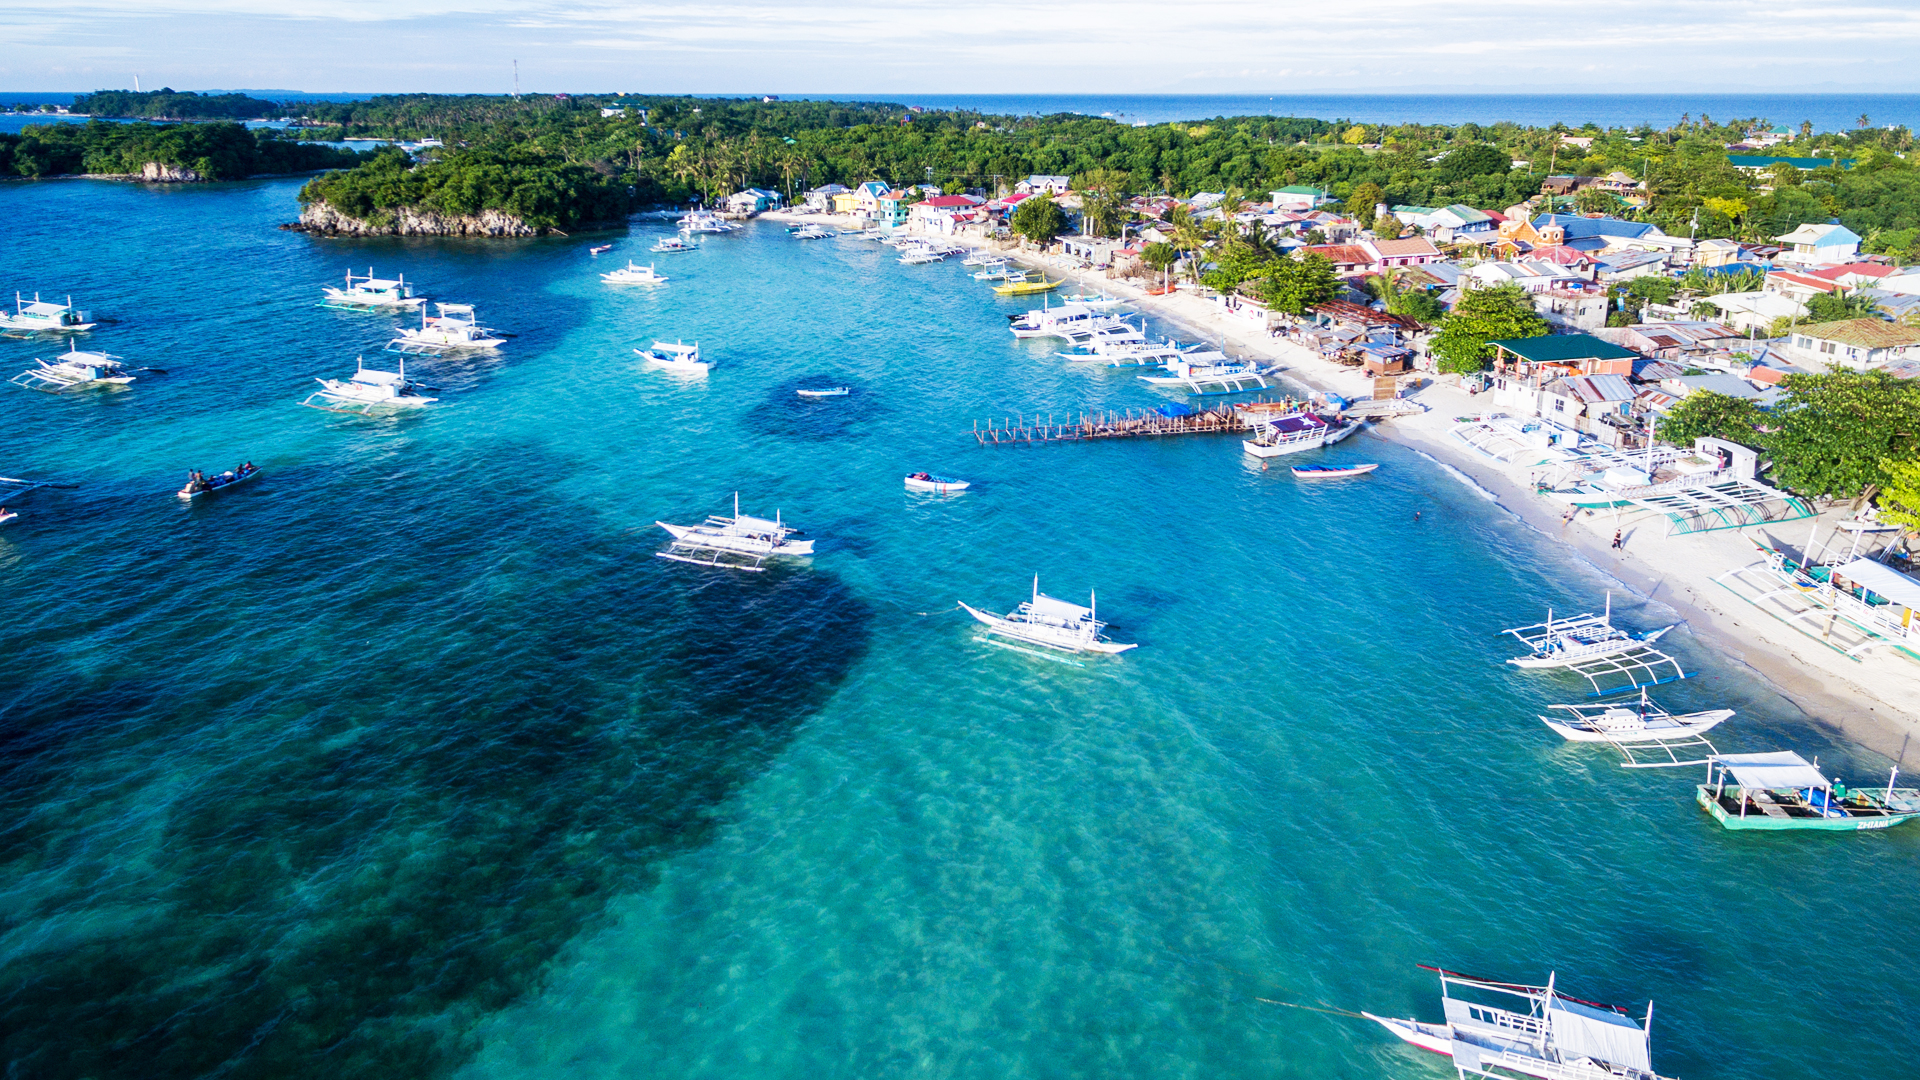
x=1188, y=236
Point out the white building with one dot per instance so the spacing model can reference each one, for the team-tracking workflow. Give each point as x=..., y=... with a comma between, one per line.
x=1820, y=245
x=1851, y=343
x=1048, y=185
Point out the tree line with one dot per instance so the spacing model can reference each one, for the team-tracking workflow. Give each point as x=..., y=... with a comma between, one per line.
x=216, y=151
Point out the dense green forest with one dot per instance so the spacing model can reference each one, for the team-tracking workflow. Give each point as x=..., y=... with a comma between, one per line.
x=217, y=151
x=526, y=183
x=166, y=104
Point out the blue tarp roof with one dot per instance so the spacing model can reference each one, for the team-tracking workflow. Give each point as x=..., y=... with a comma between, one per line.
x=1174, y=408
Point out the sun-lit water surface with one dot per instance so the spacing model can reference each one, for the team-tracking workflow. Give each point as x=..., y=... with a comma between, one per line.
x=409, y=759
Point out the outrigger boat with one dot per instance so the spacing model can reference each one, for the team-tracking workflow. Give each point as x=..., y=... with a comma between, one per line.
x=38, y=316
x=634, y=274
x=735, y=543
x=831, y=391
x=1783, y=790
x=75, y=370
x=812, y=232
x=1556, y=1037
x=1097, y=301
x=1196, y=372
x=1593, y=647
x=370, y=293
x=1056, y=624
x=369, y=389
x=454, y=329
x=939, y=485
x=1028, y=288
x=1292, y=433
x=200, y=484
x=677, y=357
x=1639, y=729
x=671, y=244
x=1331, y=472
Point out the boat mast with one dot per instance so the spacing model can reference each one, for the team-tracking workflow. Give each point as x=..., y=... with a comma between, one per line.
x=1546, y=1007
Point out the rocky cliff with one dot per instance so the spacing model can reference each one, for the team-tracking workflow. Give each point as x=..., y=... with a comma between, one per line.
x=409, y=221
x=159, y=172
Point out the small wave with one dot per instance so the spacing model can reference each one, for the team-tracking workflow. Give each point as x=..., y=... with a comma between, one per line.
x=1462, y=477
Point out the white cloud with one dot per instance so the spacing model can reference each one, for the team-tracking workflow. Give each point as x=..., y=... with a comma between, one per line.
x=1078, y=46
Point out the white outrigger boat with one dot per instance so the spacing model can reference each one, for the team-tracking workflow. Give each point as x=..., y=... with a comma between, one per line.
x=1548, y=1036
x=1198, y=371
x=1639, y=729
x=1049, y=321
x=1292, y=433
x=75, y=370
x=38, y=316
x=735, y=543
x=634, y=274
x=1056, y=624
x=939, y=485
x=453, y=330
x=369, y=293
x=199, y=484
x=677, y=357
x=812, y=232
x=705, y=221
x=1097, y=301
x=1593, y=647
x=368, y=390
x=671, y=244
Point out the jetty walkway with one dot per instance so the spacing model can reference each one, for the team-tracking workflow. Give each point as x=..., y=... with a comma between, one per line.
x=1146, y=423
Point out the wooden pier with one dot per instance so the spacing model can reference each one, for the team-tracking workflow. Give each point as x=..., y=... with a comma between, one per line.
x=1128, y=423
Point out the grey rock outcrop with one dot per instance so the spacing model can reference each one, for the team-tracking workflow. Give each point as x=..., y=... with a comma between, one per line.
x=323, y=219
x=159, y=172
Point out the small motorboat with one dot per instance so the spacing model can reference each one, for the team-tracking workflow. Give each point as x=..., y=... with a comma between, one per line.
x=829, y=391
x=1331, y=472
x=677, y=357
x=634, y=274
x=939, y=485
x=199, y=484
x=598, y=250
x=6, y=515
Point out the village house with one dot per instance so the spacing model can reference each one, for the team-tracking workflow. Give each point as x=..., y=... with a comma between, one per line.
x=1347, y=259
x=1412, y=251
x=892, y=208
x=1043, y=185
x=1820, y=245
x=1627, y=265
x=753, y=201
x=820, y=199
x=1754, y=312
x=1454, y=223
x=1579, y=354
x=1717, y=252
x=1756, y=163
x=1299, y=197
x=1673, y=340
x=1858, y=344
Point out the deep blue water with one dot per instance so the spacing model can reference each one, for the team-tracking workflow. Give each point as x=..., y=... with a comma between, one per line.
x=409, y=759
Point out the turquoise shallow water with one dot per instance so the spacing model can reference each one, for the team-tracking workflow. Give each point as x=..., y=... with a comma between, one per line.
x=409, y=759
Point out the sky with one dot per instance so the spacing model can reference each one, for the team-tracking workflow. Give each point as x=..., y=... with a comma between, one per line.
x=982, y=46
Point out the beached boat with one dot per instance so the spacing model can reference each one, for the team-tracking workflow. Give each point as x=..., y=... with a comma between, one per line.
x=76, y=369
x=1783, y=790
x=1028, y=288
x=826, y=392
x=1055, y=624
x=1608, y=657
x=1331, y=472
x=37, y=316
x=369, y=293
x=369, y=390
x=455, y=329
x=738, y=542
x=634, y=274
x=939, y=485
x=672, y=244
x=677, y=357
x=920, y=257
x=1545, y=1036
x=199, y=484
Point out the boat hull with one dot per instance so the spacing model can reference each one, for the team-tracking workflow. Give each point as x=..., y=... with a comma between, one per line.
x=1034, y=635
x=1261, y=450
x=740, y=545
x=938, y=485
x=1332, y=474
x=1437, y=1038
x=1764, y=823
x=236, y=481
x=1683, y=727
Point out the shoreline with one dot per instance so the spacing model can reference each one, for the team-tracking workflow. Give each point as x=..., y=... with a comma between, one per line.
x=1873, y=702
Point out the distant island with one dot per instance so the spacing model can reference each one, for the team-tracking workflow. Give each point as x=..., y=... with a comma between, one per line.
x=167, y=153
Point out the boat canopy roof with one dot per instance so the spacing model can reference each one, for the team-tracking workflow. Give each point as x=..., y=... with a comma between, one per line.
x=41, y=307
x=374, y=284
x=759, y=525
x=378, y=377
x=1047, y=606
x=1882, y=579
x=455, y=309
x=1778, y=770
x=1601, y=1034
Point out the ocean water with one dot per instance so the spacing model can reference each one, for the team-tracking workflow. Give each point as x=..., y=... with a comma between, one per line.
x=409, y=759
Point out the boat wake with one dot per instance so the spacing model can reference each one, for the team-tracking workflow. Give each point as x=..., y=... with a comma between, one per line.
x=1462, y=477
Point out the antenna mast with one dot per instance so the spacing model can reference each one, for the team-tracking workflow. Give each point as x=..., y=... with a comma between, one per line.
x=516, y=80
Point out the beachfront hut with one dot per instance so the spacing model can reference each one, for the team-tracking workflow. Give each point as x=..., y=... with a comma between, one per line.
x=1582, y=353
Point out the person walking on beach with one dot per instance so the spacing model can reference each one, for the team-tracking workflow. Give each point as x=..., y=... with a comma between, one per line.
x=1619, y=543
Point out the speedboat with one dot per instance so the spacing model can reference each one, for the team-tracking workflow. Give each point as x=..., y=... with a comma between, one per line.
x=75, y=370
x=598, y=250
x=455, y=328
x=38, y=316
x=677, y=357
x=634, y=274
x=369, y=293
x=738, y=542
x=673, y=243
x=939, y=485
x=831, y=391
x=200, y=484
x=369, y=389
x=1331, y=472
x=1055, y=624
